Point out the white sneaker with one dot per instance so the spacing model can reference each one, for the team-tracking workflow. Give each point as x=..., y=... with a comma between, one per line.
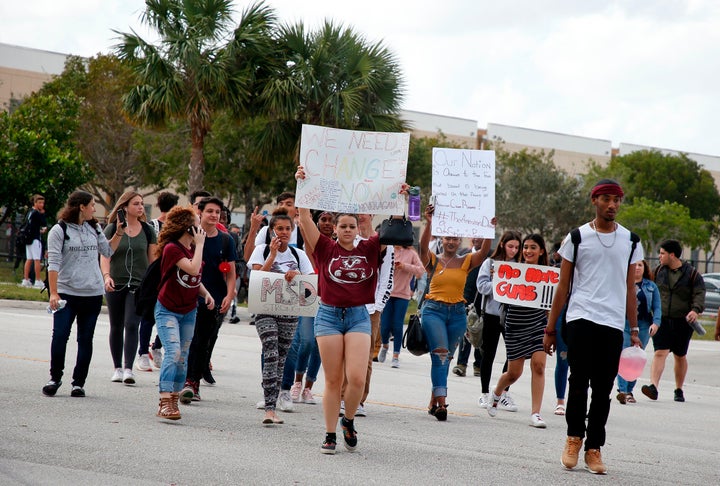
x=295, y=392
x=260, y=405
x=128, y=377
x=395, y=363
x=382, y=354
x=507, y=403
x=492, y=408
x=26, y=283
x=484, y=400
x=117, y=376
x=342, y=408
x=537, y=421
x=157, y=357
x=307, y=397
x=39, y=285
x=360, y=412
x=284, y=401
x=143, y=363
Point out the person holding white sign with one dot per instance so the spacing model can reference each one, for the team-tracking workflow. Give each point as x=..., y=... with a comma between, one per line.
x=276, y=332
x=443, y=312
x=347, y=280
x=507, y=250
x=524, y=332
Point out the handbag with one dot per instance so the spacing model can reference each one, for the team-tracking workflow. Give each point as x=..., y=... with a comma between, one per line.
x=395, y=231
x=414, y=338
x=475, y=323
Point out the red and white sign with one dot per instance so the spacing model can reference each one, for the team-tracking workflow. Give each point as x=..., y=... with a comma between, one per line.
x=525, y=285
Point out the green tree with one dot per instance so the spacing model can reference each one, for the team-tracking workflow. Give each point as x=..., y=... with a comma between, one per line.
x=655, y=222
x=199, y=66
x=38, y=153
x=419, y=169
x=533, y=195
x=662, y=177
x=331, y=77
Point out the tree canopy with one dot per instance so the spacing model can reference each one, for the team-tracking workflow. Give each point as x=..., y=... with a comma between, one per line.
x=200, y=65
x=38, y=153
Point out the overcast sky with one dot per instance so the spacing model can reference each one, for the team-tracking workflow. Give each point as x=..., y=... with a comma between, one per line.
x=643, y=72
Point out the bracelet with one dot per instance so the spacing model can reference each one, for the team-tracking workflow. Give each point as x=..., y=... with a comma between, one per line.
x=550, y=333
x=106, y=275
x=634, y=329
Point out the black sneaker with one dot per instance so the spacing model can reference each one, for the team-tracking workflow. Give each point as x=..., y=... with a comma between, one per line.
x=208, y=377
x=328, y=446
x=349, y=434
x=650, y=391
x=679, y=396
x=77, y=391
x=234, y=320
x=51, y=388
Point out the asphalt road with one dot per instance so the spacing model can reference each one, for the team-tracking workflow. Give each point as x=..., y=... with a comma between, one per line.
x=113, y=436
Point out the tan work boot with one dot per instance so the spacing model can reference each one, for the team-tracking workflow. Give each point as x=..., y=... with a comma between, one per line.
x=571, y=452
x=593, y=462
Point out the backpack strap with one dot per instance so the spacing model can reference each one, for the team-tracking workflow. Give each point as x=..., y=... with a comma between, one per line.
x=635, y=240
x=148, y=230
x=575, y=238
x=266, y=252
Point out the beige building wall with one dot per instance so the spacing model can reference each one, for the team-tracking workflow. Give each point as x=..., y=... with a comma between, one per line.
x=24, y=70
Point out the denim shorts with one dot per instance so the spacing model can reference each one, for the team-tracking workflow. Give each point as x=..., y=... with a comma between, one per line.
x=341, y=320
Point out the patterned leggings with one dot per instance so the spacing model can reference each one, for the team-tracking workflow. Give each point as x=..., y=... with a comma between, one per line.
x=276, y=335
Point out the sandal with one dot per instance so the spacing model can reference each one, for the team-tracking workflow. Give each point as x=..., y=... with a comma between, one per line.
x=560, y=410
x=441, y=413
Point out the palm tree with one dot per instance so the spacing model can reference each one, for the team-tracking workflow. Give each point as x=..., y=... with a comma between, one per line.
x=198, y=66
x=331, y=77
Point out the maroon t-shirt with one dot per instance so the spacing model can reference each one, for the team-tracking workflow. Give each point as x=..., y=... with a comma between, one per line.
x=180, y=291
x=347, y=278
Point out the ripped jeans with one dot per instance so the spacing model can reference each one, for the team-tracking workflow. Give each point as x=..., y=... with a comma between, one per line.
x=443, y=326
x=176, y=333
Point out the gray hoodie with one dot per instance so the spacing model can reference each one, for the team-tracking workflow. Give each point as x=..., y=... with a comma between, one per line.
x=77, y=260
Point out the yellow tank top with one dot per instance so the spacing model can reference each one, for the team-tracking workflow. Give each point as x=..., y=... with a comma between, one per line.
x=447, y=284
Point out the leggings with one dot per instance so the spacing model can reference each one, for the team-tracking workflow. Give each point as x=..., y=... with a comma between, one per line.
x=276, y=334
x=124, y=323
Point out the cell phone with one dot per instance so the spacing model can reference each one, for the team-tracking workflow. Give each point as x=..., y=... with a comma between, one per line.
x=190, y=230
x=121, y=218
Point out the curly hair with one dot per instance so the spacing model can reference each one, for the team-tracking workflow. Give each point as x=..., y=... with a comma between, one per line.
x=177, y=222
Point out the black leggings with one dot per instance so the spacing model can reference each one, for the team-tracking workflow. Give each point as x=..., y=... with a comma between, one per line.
x=124, y=323
x=492, y=330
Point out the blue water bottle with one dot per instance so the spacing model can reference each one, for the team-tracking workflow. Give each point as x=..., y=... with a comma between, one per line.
x=414, y=203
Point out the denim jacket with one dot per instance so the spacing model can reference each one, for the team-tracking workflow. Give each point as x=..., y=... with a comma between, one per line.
x=652, y=295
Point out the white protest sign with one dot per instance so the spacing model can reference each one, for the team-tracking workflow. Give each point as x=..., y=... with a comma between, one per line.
x=352, y=171
x=525, y=285
x=270, y=293
x=463, y=187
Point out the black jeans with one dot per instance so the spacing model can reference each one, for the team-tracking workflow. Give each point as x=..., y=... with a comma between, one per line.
x=593, y=356
x=86, y=311
x=207, y=325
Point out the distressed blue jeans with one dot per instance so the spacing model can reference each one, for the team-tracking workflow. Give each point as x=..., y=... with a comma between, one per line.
x=176, y=333
x=443, y=326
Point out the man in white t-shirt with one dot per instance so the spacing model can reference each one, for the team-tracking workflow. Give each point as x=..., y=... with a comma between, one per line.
x=600, y=277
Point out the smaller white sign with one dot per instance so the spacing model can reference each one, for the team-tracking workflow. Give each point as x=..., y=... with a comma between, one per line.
x=270, y=293
x=525, y=285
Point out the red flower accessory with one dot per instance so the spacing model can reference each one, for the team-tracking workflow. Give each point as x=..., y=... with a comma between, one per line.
x=224, y=267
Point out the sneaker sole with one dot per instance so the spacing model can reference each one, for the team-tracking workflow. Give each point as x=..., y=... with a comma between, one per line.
x=129, y=381
x=327, y=451
x=186, y=397
x=599, y=473
x=567, y=467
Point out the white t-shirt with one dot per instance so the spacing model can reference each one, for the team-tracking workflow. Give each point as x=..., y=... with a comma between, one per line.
x=262, y=234
x=284, y=261
x=599, y=288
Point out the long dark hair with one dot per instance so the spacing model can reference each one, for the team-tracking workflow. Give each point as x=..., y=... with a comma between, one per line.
x=71, y=212
x=500, y=253
x=543, y=259
x=177, y=222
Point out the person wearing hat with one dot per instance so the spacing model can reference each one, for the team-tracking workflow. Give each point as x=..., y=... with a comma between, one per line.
x=597, y=282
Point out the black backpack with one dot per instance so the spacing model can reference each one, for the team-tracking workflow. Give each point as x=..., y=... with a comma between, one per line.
x=23, y=236
x=146, y=294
